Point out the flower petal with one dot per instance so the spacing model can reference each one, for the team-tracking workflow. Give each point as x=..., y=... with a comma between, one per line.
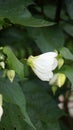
x=43, y=76
x=48, y=55
x=1, y=112
x=46, y=61
x=55, y=63
x=53, y=79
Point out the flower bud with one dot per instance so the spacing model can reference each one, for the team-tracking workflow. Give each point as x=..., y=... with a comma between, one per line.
x=1, y=48
x=60, y=62
x=61, y=79
x=58, y=79
x=2, y=57
x=11, y=75
x=2, y=64
x=54, y=89
x=1, y=109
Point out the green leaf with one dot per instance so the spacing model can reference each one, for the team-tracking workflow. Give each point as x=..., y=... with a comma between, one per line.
x=66, y=53
x=69, y=7
x=9, y=4
x=14, y=37
x=12, y=118
x=17, y=13
x=68, y=28
x=12, y=93
x=33, y=22
x=41, y=107
x=47, y=39
x=13, y=62
x=50, y=11
x=52, y=126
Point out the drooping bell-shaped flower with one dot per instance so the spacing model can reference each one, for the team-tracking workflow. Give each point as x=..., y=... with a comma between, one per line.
x=43, y=65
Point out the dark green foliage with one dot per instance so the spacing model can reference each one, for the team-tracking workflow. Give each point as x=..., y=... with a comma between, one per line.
x=32, y=27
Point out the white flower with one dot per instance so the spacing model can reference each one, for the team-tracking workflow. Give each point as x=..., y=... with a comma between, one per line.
x=43, y=65
x=1, y=109
x=1, y=112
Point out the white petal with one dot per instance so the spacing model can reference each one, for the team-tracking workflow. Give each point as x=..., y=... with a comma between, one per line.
x=43, y=76
x=53, y=79
x=55, y=63
x=48, y=55
x=45, y=64
x=46, y=58
x=1, y=112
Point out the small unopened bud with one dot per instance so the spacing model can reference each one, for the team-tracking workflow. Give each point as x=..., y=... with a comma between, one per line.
x=2, y=57
x=1, y=48
x=1, y=100
x=11, y=75
x=2, y=64
x=58, y=79
x=60, y=62
x=61, y=79
x=54, y=79
x=1, y=109
x=54, y=89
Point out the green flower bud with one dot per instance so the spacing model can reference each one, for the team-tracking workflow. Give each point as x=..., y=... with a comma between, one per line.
x=58, y=79
x=2, y=56
x=61, y=79
x=54, y=89
x=1, y=48
x=0, y=99
x=60, y=62
x=11, y=75
x=2, y=64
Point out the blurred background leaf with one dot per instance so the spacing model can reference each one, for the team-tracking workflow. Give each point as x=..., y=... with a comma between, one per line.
x=69, y=7
x=47, y=39
x=41, y=106
x=12, y=93
x=33, y=27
